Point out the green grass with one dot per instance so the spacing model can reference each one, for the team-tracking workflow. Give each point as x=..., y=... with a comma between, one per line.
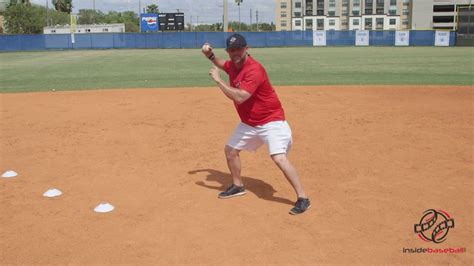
x=97, y=69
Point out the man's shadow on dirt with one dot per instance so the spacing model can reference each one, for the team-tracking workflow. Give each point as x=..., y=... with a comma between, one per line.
x=258, y=187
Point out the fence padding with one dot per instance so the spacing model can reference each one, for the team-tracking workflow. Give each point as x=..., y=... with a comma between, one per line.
x=196, y=39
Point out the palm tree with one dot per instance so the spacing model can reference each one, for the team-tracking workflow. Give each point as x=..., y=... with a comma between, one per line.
x=152, y=9
x=63, y=5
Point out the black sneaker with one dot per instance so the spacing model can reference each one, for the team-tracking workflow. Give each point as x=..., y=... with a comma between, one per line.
x=232, y=191
x=301, y=206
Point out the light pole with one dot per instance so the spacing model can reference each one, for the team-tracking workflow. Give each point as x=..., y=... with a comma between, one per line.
x=225, y=21
x=238, y=3
x=139, y=17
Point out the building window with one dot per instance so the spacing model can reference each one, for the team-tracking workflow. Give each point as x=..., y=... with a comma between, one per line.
x=298, y=5
x=105, y=30
x=332, y=13
x=393, y=2
x=344, y=22
x=392, y=12
x=297, y=14
x=298, y=23
x=406, y=12
x=356, y=3
x=283, y=23
x=443, y=8
x=332, y=3
x=283, y=5
x=320, y=24
x=368, y=23
x=309, y=24
x=345, y=13
x=355, y=12
x=379, y=23
x=355, y=22
x=379, y=11
x=406, y=2
x=393, y=21
x=405, y=22
x=283, y=14
x=320, y=7
x=443, y=19
x=332, y=22
x=53, y=31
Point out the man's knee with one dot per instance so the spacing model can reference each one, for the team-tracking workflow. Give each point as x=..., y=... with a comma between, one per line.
x=230, y=153
x=280, y=159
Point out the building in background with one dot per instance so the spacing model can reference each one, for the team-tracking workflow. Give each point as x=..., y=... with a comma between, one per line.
x=367, y=14
x=283, y=19
x=80, y=29
x=436, y=14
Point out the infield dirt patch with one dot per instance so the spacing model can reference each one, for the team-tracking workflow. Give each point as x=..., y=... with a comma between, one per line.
x=371, y=158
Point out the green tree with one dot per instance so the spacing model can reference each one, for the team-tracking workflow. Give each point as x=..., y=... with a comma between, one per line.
x=152, y=9
x=63, y=5
x=90, y=16
x=129, y=18
x=266, y=27
x=24, y=19
x=15, y=2
x=208, y=27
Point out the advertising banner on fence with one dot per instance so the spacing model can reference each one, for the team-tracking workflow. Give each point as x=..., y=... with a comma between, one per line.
x=442, y=38
x=362, y=38
x=149, y=22
x=402, y=38
x=319, y=38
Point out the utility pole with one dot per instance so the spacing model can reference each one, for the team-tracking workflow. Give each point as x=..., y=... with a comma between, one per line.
x=250, y=19
x=240, y=23
x=139, y=18
x=256, y=17
x=47, y=13
x=225, y=21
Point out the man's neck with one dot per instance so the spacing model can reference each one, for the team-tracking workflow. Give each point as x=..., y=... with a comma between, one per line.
x=240, y=65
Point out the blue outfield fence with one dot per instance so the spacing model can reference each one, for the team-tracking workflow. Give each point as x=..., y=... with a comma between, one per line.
x=196, y=39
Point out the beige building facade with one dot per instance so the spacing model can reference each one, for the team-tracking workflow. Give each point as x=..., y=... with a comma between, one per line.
x=284, y=15
x=294, y=15
x=436, y=14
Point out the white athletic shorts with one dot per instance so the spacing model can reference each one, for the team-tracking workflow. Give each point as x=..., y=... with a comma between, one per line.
x=276, y=134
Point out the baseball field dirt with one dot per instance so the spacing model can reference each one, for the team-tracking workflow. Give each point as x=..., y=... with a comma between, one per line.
x=371, y=158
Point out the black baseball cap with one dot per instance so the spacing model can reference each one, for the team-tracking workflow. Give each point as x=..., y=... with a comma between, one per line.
x=236, y=41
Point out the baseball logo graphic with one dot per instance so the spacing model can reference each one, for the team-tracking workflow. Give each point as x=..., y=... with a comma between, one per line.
x=434, y=226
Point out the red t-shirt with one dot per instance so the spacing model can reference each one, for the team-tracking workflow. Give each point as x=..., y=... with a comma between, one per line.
x=263, y=106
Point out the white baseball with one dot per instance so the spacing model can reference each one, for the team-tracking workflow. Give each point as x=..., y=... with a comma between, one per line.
x=206, y=48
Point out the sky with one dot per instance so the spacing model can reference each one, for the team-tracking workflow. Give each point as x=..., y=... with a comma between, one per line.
x=202, y=11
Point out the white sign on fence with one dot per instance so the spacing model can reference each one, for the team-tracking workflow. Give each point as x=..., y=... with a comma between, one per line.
x=402, y=38
x=442, y=38
x=362, y=38
x=319, y=38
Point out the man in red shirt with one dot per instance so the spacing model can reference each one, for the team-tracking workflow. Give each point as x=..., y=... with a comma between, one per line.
x=261, y=113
